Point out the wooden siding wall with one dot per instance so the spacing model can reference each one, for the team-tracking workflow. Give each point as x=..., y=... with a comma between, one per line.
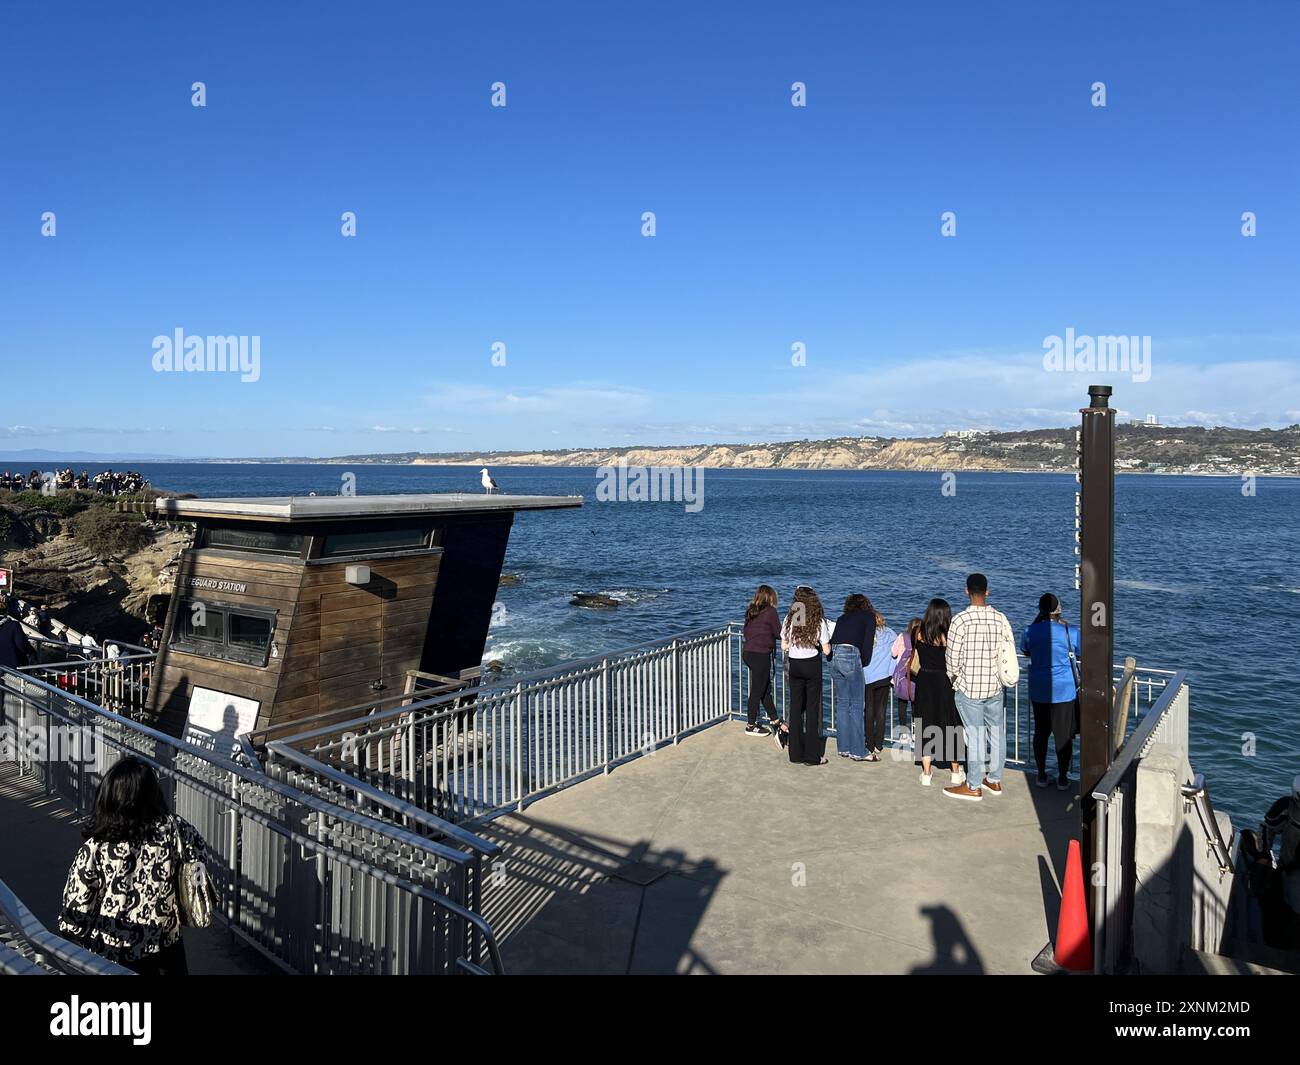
x=334, y=640
x=345, y=638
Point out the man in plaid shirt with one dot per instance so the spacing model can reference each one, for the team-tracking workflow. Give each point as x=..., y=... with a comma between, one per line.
x=972, y=658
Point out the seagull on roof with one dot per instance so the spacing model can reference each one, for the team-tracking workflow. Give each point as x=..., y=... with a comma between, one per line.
x=489, y=485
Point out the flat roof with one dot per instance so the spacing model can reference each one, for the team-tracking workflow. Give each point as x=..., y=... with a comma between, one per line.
x=318, y=508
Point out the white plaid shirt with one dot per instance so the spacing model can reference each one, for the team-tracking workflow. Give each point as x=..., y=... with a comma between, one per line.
x=972, y=657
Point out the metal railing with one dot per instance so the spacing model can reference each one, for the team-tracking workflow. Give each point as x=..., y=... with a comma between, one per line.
x=471, y=754
x=119, y=684
x=313, y=885
x=1113, y=824
x=28, y=948
x=1146, y=686
x=468, y=755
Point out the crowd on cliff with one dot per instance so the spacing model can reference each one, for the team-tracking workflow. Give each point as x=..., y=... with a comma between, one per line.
x=106, y=482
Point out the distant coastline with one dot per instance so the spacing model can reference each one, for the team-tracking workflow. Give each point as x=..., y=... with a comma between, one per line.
x=1139, y=448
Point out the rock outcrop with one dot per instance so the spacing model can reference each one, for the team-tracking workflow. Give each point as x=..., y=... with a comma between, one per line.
x=110, y=596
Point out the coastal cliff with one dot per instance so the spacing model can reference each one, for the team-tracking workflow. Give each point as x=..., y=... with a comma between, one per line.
x=854, y=453
x=1140, y=448
x=94, y=569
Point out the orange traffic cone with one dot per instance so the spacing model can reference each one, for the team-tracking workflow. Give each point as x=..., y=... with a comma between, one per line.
x=1073, y=948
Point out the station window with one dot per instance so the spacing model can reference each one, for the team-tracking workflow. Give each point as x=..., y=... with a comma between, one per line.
x=200, y=622
x=223, y=631
x=373, y=541
x=250, y=631
x=261, y=541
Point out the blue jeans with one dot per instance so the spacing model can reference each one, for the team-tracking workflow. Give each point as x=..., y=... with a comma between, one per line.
x=984, y=722
x=846, y=676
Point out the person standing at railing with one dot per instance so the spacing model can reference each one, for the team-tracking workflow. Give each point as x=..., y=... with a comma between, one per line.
x=977, y=639
x=121, y=898
x=762, y=627
x=1052, y=648
x=936, y=727
x=850, y=652
x=877, y=673
x=904, y=683
x=805, y=637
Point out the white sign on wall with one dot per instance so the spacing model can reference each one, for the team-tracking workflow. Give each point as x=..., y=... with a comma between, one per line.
x=216, y=718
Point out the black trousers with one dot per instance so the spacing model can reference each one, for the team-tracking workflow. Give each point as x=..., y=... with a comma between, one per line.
x=807, y=744
x=759, y=664
x=1043, y=732
x=170, y=961
x=875, y=709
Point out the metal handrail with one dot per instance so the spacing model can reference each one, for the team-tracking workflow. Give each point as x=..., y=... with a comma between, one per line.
x=555, y=674
x=14, y=964
x=66, y=955
x=464, y=836
x=475, y=927
x=133, y=649
x=1140, y=741
x=1103, y=793
x=226, y=765
x=95, y=660
x=259, y=737
x=1197, y=793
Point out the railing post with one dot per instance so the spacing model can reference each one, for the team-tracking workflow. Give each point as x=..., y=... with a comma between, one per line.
x=520, y=747
x=233, y=903
x=48, y=772
x=81, y=772
x=606, y=710
x=677, y=693
x=738, y=662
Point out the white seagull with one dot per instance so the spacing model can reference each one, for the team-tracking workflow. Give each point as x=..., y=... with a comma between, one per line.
x=489, y=485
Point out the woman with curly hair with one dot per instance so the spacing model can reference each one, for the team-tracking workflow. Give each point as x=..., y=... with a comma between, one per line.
x=805, y=637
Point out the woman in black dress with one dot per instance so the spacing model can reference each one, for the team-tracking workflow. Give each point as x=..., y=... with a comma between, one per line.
x=936, y=727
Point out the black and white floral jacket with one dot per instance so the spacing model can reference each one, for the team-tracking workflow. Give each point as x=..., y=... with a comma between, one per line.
x=120, y=898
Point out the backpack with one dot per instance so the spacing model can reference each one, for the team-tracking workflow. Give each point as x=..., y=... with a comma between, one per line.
x=1008, y=663
x=904, y=682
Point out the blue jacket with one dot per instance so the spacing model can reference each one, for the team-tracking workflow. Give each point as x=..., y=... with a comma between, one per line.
x=881, y=666
x=1051, y=678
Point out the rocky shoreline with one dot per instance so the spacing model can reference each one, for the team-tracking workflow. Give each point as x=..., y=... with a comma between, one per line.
x=83, y=580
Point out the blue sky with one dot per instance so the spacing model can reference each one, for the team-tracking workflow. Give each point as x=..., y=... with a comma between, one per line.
x=776, y=225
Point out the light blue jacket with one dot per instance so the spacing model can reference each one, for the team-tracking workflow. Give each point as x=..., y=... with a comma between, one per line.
x=881, y=665
x=1051, y=677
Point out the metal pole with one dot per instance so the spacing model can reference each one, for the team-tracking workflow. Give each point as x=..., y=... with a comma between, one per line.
x=676, y=693
x=1096, y=605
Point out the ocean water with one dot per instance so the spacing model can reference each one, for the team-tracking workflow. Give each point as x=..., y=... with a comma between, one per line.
x=1207, y=579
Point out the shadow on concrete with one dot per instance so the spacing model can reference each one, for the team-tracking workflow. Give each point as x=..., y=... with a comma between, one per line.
x=954, y=953
x=562, y=901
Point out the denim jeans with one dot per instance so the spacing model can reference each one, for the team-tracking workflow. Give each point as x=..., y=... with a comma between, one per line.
x=846, y=676
x=984, y=722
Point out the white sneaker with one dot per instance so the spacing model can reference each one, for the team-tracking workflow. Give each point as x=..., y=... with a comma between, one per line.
x=959, y=778
x=927, y=779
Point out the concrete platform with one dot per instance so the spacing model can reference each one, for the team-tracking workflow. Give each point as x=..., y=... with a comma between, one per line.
x=719, y=856
x=39, y=836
